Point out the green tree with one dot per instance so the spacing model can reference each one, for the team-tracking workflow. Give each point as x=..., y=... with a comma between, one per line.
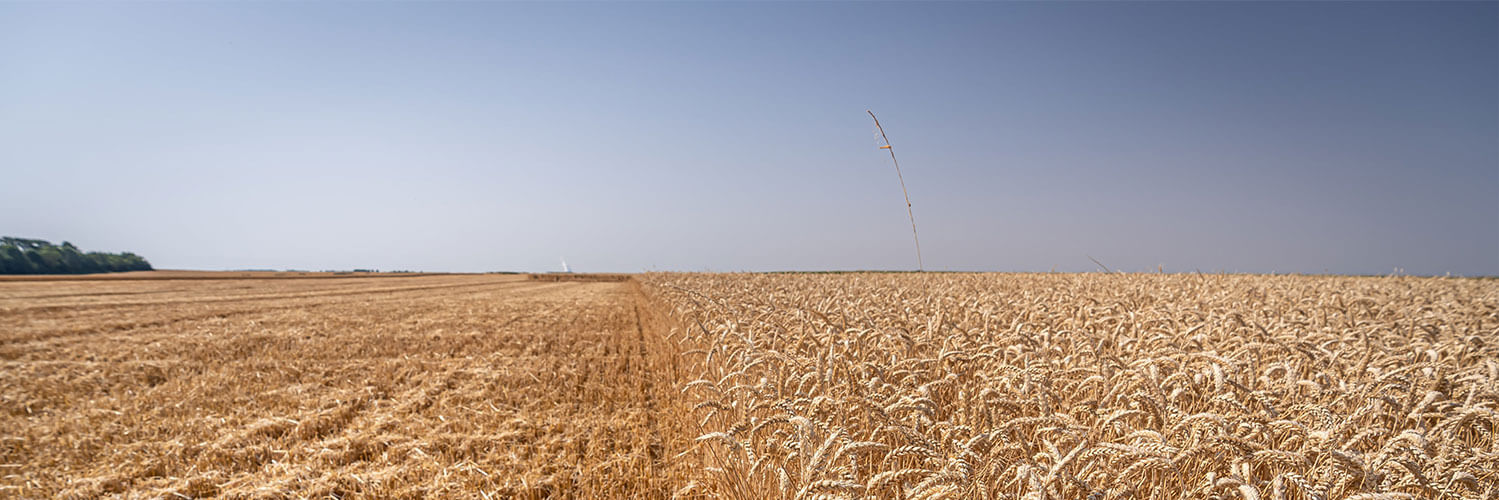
x=28, y=256
x=15, y=260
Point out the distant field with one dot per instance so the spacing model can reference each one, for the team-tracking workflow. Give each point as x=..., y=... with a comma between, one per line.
x=788, y=386
x=461, y=386
x=205, y=275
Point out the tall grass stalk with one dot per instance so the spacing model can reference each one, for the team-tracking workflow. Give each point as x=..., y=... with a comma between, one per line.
x=920, y=266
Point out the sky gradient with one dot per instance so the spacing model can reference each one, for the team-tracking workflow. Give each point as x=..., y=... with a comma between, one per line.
x=1265, y=137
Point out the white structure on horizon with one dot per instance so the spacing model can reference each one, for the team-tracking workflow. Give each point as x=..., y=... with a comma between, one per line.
x=566, y=269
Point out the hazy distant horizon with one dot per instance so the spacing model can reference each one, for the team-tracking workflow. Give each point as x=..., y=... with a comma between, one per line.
x=1342, y=138
x=869, y=271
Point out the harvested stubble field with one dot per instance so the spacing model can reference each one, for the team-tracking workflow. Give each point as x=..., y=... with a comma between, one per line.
x=751, y=386
x=1089, y=386
x=463, y=386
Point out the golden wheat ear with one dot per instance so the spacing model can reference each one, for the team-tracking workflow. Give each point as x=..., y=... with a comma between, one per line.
x=1095, y=385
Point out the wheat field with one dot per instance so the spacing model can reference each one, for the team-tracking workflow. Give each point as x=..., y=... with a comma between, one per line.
x=1089, y=386
x=749, y=386
x=468, y=386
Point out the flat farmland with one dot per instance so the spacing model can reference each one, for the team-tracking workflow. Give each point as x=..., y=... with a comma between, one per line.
x=458, y=386
x=749, y=386
x=1097, y=386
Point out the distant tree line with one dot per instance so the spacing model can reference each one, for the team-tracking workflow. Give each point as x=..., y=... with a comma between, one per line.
x=26, y=256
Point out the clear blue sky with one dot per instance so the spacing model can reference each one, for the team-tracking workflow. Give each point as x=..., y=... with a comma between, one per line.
x=1287, y=137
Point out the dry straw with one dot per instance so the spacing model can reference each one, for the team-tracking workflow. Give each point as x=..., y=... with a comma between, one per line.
x=920, y=266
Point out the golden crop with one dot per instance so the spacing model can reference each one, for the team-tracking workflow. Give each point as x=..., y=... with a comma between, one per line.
x=1088, y=386
x=748, y=386
x=191, y=386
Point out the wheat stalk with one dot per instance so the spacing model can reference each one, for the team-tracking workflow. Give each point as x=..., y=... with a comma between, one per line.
x=920, y=266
